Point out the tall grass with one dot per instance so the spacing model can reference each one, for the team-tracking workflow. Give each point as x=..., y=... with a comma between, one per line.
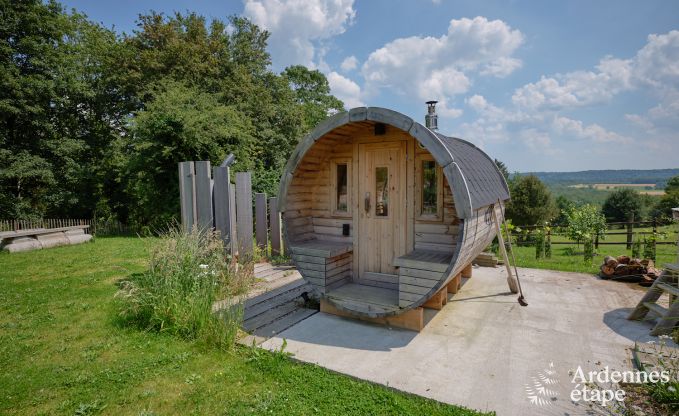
x=187, y=273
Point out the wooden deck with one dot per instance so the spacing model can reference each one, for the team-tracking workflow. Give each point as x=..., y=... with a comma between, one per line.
x=366, y=298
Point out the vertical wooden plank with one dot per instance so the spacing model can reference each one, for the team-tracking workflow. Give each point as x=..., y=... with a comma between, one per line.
x=204, y=215
x=221, y=202
x=186, y=195
x=275, y=225
x=233, y=246
x=356, y=201
x=244, y=214
x=261, y=223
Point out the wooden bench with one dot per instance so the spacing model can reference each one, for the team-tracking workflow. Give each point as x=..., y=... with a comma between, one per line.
x=39, y=238
x=326, y=264
x=419, y=271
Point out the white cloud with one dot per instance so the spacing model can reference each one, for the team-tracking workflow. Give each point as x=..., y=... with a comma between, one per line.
x=297, y=26
x=440, y=67
x=345, y=89
x=349, y=63
x=655, y=66
x=595, y=132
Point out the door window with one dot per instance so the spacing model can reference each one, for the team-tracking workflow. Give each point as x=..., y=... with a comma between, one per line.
x=381, y=191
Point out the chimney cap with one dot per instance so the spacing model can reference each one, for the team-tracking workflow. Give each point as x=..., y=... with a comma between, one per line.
x=431, y=102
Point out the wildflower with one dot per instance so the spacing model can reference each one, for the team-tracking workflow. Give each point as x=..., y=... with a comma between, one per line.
x=203, y=266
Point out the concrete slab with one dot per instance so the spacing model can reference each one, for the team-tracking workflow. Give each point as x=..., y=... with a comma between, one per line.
x=483, y=350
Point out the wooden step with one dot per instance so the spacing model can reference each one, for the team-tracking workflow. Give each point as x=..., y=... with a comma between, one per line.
x=285, y=322
x=669, y=288
x=285, y=297
x=656, y=308
x=270, y=316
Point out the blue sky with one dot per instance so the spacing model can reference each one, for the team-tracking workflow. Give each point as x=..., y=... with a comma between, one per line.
x=557, y=86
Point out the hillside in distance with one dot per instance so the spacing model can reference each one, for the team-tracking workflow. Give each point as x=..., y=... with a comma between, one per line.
x=658, y=177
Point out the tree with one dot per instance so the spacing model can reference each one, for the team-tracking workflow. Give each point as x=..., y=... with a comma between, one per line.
x=663, y=208
x=585, y=223
x=312, y=92
x=564, y=205
x=531, y=201
x=672, y=184
x=623, y=204
x=180, y=123
x=503, y=169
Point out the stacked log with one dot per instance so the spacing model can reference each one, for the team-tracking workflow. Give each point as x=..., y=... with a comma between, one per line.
x=627, y=269
x=486, y=260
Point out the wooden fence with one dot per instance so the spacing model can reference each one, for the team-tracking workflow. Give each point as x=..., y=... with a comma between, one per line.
x=96, y=227
x=209, y=200
x=629, y=229
x=15, y=225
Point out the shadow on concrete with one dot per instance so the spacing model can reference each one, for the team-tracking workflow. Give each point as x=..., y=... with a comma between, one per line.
x=637, y=331
x=335, y=331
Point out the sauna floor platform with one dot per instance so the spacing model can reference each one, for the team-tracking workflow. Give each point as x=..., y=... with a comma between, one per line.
x=378, y=298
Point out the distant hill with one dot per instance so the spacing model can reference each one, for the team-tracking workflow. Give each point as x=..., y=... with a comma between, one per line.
x=654, y=176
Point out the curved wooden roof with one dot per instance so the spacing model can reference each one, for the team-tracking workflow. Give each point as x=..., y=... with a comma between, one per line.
x=475, y=179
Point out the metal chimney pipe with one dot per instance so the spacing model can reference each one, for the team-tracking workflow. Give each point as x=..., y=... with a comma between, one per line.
x=431, y=120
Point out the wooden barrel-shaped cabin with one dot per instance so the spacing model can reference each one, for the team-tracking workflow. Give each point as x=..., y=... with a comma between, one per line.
x=380, y=212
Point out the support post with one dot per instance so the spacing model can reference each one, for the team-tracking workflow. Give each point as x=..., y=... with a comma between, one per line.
x=511, y=280
x=261, y=223
x=244, y=214
x=630, y=231
x=275, y=226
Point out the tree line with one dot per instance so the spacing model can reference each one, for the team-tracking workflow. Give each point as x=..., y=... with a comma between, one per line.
x=93, y=123
x=532, y=203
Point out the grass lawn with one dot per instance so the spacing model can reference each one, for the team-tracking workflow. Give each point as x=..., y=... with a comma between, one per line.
x=63, y=352
x=525, y=256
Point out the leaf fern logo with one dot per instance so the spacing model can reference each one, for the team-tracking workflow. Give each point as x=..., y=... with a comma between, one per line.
x=539, y=391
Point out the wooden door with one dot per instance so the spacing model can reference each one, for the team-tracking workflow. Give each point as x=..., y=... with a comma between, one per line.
x=382, y=207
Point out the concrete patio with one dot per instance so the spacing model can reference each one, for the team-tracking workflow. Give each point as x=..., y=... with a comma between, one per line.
x=483, y=350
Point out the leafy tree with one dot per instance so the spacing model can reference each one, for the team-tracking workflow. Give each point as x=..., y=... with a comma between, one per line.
x=564, y=205
x=672, y=184
x=180, y=123
x=623, y=204
x=585, y=223
x=662, y=211
x=531, y=202
x=312, y=92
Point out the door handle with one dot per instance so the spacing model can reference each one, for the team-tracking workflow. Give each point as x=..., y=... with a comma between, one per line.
x=367, y=202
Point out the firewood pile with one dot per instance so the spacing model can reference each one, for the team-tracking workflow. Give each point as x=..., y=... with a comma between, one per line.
x=626, y=269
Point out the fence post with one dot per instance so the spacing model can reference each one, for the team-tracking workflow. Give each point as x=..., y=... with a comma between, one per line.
x=203, y=196
x=187, y=198
x=225, y=211
x=275, y=225
x=261, y=223
x=244, y=213
x=655, y=238
x=630, y=231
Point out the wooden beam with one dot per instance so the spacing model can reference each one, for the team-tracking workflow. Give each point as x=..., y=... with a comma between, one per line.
x=412, y=319
x=437, y=301
x=467, y=271
x=222, y=204
x=454, y=285
x=511, y=280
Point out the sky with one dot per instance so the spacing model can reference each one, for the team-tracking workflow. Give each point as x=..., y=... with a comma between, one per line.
x=540, y=85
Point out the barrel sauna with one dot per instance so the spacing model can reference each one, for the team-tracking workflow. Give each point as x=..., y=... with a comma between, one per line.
x=380, y=212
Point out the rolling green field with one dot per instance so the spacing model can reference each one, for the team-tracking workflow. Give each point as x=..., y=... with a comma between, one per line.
x=62, y=351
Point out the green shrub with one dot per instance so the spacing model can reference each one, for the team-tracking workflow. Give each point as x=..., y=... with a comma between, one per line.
x=636, y=249
x=187, y=274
